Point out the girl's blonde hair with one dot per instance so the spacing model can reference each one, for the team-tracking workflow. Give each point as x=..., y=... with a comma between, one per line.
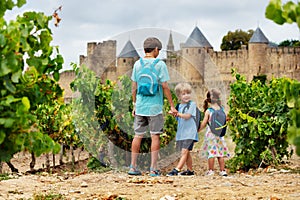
x=182, y=87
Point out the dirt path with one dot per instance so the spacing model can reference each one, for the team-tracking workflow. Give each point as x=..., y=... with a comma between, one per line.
x=282, y=183
x=111, y=185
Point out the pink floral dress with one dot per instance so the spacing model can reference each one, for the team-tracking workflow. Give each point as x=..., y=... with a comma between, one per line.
x=214, y=146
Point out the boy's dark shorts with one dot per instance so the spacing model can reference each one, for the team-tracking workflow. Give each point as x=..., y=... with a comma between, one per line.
x=154, y=123
x=184, y=144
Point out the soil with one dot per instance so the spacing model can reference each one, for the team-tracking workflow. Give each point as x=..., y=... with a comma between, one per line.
x=282, y=182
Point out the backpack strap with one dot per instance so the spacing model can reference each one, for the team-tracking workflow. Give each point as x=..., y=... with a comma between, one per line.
x=155, y=62
x=210, y=110
x=194, y=117
x=152, y=64
x=186, y=107
x=177, y=106
x=142, y=62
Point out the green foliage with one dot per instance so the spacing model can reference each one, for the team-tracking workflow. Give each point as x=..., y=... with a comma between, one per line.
x=84, y=110
x=55, y=120
x=49, y=196
x=283, y=13
x=234, y=40
x=26, y=60
x=104, y=113
x=280, y=14
x=123, y=133
x=292, y=92
x=9, y=5
x=259, y=122
x=4, y=177
x=95, y=165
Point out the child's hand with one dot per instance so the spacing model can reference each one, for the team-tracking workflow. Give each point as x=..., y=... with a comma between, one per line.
x=170, y=112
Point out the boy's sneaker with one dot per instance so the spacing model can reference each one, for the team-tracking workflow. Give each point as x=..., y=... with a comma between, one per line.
x=174, y=172
x=223, y=173
x=154, y=173
x=210, y=173
x=133, y=171
x=187, y=173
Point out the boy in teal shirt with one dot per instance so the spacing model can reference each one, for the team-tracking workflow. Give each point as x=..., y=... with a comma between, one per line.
x=147, y=110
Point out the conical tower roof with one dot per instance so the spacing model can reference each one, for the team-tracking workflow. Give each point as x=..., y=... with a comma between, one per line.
x=258, y=37
x=170, y=46
x=197, y=39
x=128, y=51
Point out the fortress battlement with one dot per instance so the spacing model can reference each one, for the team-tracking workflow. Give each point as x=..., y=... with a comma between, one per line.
x=232, y=54
x=197, y=62
x=284, y=50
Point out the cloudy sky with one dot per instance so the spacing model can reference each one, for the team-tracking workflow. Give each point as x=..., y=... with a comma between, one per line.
x=121, y=20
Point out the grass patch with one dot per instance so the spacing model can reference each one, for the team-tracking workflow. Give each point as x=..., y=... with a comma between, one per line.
x=49, y=196
x=96, y=166
x=4, y=177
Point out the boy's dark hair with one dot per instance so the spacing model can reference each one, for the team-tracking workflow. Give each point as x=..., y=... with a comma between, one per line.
x=151, y=43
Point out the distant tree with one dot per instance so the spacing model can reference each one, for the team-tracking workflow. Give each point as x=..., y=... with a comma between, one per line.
x=234, y=40
x=289, y=43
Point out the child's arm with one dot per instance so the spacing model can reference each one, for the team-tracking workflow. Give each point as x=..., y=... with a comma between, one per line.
x=184, y=115
x=181, y=115
x=204, y=121
x=133, y=93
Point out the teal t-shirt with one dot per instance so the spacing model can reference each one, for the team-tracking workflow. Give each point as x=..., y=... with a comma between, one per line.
x=150, y=105
x=186, y=128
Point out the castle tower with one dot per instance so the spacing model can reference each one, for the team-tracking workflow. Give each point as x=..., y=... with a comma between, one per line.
x=170, y=46
x=100, y=56
x=173, y=61
x=193, y=55
x=66, y=77
x=257, y=54
x=197, y=39
x=126, y=59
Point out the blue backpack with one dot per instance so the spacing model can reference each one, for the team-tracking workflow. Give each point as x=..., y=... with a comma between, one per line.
x=197, y=119
x=147, y=79
x=218, y=122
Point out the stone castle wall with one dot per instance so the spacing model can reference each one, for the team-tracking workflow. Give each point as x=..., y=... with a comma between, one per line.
x=203, y=68
x=65, y=79
x=100, y=56
x=284, y=62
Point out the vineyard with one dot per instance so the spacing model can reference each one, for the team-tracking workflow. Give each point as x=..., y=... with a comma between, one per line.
x=58, y=150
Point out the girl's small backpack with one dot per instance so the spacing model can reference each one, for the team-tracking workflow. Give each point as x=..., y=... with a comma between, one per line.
x=217, y=123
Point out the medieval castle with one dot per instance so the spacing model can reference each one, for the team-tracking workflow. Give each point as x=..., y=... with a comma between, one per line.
x=195, y=62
